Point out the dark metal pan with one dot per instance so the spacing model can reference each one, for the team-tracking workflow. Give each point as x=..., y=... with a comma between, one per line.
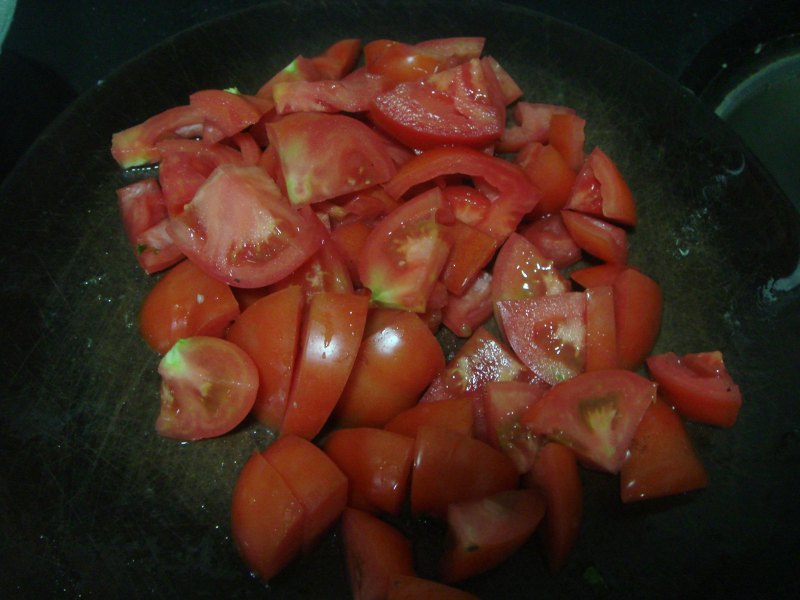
x=94, y=504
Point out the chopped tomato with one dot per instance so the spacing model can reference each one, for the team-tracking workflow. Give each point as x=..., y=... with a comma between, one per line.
x=323, y=156
x=454, y=413
x=555, y=474
x=638, y=306
x=550, y=173
x=405, y=253
x=455, y=48
x=228, y=112
x=408, y=587
x=468, y=204
x=454, y=106
x=661, y=461
x=155, y=248
x=377, y=464
x=137, y=145
x=600, y=190
x=532, y=125
x=483, y=533
x=268, y=331
x=299, y=69
x=239, y=229
x=397, y=62
x=184, y=303
x=451, y=467
x=375, y=554
x=208, y=386
x=601, y=329
x=597, y=237
x=595, y=414
x=266, y=518
x=550, y=236
x=331, y=334
x=547, y=333
x=471, y=251
x=464, y=314
x=314, y=479
x=397, y=359
x=598, y=275
x=506, y=402
x=349, y=239
x=325, y=271
x=352, y=94
x=338, y=60
x=699, y=385
x=511, y=92
x=515, y=195
x=567, y=136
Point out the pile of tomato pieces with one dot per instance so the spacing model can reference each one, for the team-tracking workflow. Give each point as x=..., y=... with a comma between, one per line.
x=319, y=233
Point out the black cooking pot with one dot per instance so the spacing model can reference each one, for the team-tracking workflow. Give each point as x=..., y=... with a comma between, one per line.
x=93, y=503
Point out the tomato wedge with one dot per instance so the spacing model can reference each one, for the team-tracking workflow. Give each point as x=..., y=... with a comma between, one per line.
x=208, y=386
x=699, y=385
x=596, y=414
x=483, y=533
x=239, y=229
x=515, y=195
x=405, y=253
x=662, y=460
x=455, y=414
x=600, y=190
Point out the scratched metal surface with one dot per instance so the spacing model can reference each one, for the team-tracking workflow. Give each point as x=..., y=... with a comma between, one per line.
x=94, y=504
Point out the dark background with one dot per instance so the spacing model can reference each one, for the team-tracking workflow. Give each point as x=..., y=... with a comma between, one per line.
x=55, y=51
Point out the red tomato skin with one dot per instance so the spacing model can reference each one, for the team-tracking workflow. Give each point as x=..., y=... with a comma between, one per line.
x=268, y=331
x=407, y=587
x=455, y=414
x=550, y=173
x=555, y=474
x=266, y=519
x=240, y=229
x=516, y=196
x=483, y=533
x=600, y=190
x=638, y=309
x=397, y=359
x=597, y=275
x=471, y=251
x=595, y=413
x=567, y=136
x=208, y=386
x=450, y=467
x=375, y=553
x=184, y=303
x=314, y=479
x=600, y=239
x=601, y=329
x=331, y=334
x=376, y=462
x=699, y=395
x=661, y=461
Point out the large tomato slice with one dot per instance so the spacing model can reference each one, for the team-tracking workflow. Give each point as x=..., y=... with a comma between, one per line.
x=208, y=386
x=323, y=156
x=240, y=229
x=461, y=105
x=405, y=253
x=595, y=414
x=515, y=196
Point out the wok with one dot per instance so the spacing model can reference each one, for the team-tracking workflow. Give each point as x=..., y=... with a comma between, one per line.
x=94, y=504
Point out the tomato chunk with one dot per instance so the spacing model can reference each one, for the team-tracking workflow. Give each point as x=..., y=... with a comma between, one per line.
x=699, y=385
x=377, y=464
x=375, y=553
x=483, y=533
x=184, y=303
x=455, y=414
x=450, y=467
x=595, y=414
x=266, y=518
x=662, y=460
